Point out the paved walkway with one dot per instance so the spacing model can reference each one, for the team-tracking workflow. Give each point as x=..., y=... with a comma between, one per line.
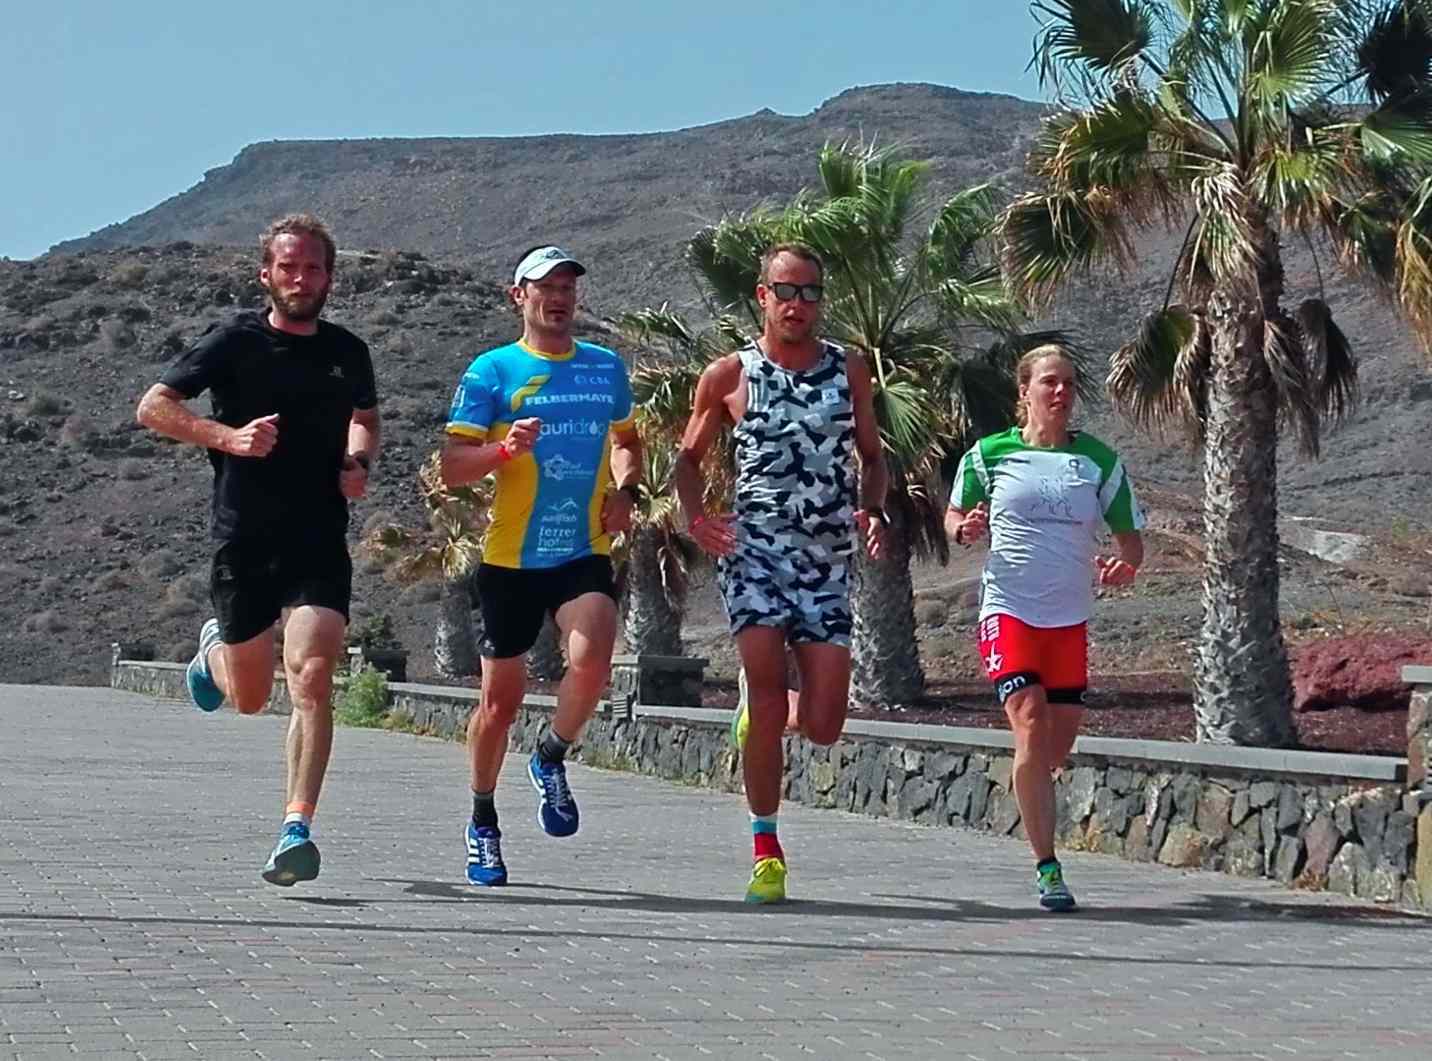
x=133, y=922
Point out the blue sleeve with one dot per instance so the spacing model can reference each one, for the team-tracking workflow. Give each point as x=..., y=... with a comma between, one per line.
x=475, y=405
x=622, y=405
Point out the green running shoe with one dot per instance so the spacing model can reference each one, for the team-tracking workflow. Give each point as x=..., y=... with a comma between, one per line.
x=1054, y=894
x=768, y=881
x=741, y=717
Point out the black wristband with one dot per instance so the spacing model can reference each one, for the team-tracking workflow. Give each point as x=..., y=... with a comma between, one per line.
x=362, y=459
x=633, y=491
x=878, y=513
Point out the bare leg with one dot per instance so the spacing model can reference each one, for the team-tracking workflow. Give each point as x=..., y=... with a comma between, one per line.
x=244, y=671
x=504, y=682
x=312, y=646
x=824, y=695
x=1034, y=744
x=589, y=628
x=763, y=657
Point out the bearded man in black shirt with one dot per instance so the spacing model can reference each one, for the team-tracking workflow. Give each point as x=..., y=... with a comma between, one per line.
x=292, y=435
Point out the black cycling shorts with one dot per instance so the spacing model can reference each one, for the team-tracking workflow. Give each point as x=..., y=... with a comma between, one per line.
x=252, y=581
x=515, y=601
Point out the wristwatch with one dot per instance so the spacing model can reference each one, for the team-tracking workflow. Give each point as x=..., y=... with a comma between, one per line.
x=632, y=491
x=362, y=459
x=878, y=513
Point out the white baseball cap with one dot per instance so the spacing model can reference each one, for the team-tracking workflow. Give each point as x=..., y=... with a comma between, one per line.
x=542, y=261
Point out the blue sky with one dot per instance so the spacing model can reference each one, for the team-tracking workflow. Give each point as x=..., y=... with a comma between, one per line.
x=109, y=108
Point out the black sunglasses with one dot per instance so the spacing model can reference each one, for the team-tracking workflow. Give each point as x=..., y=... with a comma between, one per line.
x=807, y=292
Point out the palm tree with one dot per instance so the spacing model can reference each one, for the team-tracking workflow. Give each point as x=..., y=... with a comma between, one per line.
x=449, y=550
x=914, y=303
x=655, y=560
x=1236, y=122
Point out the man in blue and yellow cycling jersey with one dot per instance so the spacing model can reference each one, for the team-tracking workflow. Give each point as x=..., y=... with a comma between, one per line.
x=552, y=419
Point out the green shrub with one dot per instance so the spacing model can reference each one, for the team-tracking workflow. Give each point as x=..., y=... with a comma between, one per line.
x=364, y=700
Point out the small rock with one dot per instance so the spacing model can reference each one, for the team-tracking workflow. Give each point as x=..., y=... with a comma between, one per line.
x=1288, y=862
x=1263, y=793
x=1290, y=808
x=1184, y=846
x=1322, y=840
x=1215, y=806
x=1345, y=875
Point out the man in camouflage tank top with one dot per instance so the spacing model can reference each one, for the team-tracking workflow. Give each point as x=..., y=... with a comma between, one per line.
x=801, y=412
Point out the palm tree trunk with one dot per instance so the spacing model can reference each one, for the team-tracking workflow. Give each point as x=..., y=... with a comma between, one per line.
x=1242, y=686
x=544, y=659
x=651, y=622
x=885, y=656
x=455, y=642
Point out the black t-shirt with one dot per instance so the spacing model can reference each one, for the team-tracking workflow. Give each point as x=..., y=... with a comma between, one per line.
x=314, y=382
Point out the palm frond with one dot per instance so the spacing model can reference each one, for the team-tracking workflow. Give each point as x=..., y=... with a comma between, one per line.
x=1159, y=379
x=1296, y=176
x=1104, y=38
x=1224, y=243
x=1365, y=232
x=1394, y=56
x=1048, y=239
x=1414, y=263
x=1331, y=363
x=961, y=226
x=1287, y=359
x=1400, y=128
x=1287, y=48
x=1117, y=146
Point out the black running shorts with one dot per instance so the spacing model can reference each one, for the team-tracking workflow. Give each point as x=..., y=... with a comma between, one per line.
x=252, y=581
x=514, y=601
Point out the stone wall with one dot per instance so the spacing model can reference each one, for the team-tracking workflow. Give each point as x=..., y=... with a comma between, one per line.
x=1344, y=823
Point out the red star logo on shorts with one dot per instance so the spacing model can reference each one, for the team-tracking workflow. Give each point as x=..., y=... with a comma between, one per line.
x=993, y=662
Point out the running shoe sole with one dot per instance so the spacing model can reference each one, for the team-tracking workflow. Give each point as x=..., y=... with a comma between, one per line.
x=298, y=863
x=536, y=782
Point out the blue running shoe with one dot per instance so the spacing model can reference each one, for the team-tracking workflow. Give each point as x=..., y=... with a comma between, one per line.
x=557, y=810
x=206, y=695
x=484, y=856
x=295, y=858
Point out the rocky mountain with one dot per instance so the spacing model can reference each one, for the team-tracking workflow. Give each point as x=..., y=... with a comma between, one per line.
x=102, y=528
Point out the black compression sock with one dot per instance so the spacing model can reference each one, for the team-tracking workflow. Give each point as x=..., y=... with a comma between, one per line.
x=553, y=748
x=484, y=810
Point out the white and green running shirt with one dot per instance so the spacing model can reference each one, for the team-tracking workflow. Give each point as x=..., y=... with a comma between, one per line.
x=1045, y=507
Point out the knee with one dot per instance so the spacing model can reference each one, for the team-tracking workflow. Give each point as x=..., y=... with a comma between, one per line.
x=1028, y=715
x=766, y=715
x=824, y=727
x=590, y=664
x=310, y=683
x=496, y=713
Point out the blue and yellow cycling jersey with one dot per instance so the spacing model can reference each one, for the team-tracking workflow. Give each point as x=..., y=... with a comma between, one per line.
x=548, y=508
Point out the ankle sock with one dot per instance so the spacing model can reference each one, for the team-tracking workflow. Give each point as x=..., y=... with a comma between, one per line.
x=763, y=836
x=484, y=809
x=552, y=749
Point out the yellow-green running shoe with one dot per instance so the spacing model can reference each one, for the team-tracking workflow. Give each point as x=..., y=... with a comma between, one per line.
x=1054, y=894
x=768, y=882
x=741, y=717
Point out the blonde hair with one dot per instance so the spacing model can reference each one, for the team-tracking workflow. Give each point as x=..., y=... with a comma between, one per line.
x=1024, y=373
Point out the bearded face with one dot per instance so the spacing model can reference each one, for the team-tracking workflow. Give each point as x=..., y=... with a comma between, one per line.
x=296, y=277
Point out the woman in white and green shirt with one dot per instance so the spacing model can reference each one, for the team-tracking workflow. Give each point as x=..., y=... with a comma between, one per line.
x=1043, y=493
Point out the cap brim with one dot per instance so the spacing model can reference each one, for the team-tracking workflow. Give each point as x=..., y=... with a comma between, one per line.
x=541, y=269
